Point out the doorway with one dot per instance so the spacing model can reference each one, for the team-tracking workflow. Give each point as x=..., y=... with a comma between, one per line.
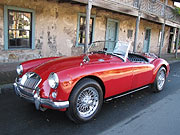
x=147, y=40
x=111, y=34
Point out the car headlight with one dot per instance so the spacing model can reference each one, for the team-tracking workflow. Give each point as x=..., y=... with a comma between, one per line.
x=19, y=69
x=53, y=80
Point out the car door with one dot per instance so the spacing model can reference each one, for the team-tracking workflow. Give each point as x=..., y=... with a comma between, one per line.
x=119, y=78
x=142, y=74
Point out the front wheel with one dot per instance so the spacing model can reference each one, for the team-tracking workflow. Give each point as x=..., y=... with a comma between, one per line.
x=159, y=82
x=85, y=101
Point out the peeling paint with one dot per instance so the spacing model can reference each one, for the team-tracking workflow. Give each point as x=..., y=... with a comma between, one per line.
x=56, y=29
x=69, y=31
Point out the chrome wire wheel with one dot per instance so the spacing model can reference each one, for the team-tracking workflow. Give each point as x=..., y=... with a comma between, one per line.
x=161, y=79
x=87, y=102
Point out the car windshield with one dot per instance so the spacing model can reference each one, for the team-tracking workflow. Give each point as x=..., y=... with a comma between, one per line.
x=117, y=48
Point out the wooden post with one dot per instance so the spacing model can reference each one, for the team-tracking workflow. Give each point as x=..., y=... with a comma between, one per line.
x=136, y=32
x=163, y=28
x=88, y=15
x=162, y=39
x=137, y=26
x=177, y=42
x=173, y=40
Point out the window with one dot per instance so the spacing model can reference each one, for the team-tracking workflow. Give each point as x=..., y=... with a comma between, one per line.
x=130, y=33
x=19, y=28
x=81, y=31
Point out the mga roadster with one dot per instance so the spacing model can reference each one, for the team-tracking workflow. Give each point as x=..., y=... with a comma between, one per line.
x=80, y=84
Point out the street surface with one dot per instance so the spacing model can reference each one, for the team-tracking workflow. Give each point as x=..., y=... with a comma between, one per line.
x=141, y=113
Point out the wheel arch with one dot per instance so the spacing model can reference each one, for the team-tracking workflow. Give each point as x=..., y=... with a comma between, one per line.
x=163, y=65
x=97, y=79
x=158, y=63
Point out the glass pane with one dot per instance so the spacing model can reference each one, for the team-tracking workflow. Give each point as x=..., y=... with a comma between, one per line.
x=27, y=21
x=19, y=20
x=82, y=20
x=19, y=38
x=11, y=20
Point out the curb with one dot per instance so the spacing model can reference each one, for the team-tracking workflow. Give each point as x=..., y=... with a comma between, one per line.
x=174, y=61
x=6, y=88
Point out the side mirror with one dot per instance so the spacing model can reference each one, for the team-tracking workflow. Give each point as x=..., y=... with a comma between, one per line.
x=86, y=59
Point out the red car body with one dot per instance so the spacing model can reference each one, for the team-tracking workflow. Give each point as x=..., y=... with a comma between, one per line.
x=114, y=75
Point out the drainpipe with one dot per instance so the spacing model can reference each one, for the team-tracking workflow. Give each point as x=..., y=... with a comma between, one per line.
x=177, y=42
x=163, y=28
x=137, y=26
x=88, y=15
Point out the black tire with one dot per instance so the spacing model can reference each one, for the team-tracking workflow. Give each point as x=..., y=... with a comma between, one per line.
x=84, y=98
x=158, y=84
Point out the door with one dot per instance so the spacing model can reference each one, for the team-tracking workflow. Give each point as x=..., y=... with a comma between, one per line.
x=118, y=78
x=111, y=34
x=147, y=41
x=142, y=74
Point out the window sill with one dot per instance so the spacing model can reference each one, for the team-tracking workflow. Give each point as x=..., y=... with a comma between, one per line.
x=17, y=49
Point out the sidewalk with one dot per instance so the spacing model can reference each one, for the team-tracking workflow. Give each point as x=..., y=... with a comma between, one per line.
x=171, y=57
x=7, y=75
x=8, y=70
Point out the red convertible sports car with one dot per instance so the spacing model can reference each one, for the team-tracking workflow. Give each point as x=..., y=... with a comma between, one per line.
x=80, y=84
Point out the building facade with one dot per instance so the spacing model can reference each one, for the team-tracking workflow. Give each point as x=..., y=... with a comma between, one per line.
x=32, y=29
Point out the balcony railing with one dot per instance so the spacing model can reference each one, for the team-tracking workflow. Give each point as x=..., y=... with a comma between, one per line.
x=131, y=3
x=154, y=7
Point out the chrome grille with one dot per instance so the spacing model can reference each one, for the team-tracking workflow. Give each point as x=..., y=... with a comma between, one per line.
x=30, y=80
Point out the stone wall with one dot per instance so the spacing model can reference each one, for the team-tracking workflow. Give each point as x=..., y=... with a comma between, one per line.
x=56, y=28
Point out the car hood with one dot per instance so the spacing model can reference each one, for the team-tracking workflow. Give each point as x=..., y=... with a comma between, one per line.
x=64, y=63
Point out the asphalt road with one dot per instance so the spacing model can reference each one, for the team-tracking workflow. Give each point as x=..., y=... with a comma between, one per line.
x=143, y=113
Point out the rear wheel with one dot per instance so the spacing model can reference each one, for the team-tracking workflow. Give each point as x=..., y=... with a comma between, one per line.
x=159, y=82
x=85, y=101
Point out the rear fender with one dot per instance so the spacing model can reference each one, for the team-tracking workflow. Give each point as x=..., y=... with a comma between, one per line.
x=158, y=63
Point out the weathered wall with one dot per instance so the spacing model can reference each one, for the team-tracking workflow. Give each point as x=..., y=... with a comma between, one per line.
x=129, y=23
x=56, y=28
x=154, y=38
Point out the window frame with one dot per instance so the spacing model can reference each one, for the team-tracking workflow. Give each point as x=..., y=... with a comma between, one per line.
x=6, y=25
x=78, y=28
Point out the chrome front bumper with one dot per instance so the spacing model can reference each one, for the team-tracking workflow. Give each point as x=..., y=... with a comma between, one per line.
x=35, y=98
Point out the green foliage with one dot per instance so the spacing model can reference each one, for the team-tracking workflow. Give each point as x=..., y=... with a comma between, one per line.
x=177, y=10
